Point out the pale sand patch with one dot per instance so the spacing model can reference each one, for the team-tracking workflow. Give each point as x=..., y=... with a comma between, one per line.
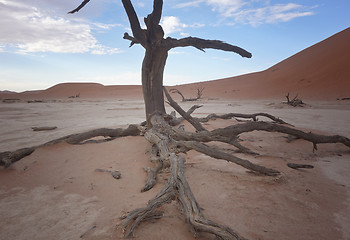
x=337, y=168
x=42, y=213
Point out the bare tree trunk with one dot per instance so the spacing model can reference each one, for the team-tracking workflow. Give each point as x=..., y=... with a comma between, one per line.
x=152, y=80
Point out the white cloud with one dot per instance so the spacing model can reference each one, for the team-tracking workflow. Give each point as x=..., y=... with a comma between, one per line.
x=30, y=29
x=101, y=50
x=271, y=14
x=253, y=12
x=226, y=7
x=171, y=24
x=104, y=26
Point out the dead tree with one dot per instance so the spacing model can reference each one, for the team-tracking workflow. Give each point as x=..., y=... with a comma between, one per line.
x=168, y=141
x=295, y=102
x=199, y=94
x=156, y=51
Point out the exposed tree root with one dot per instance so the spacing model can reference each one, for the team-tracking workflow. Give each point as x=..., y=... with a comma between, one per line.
x=151, y=176
x=178, y=188
x=171, y=141
x=218, y=154
x=8, y=158
x=240, y=115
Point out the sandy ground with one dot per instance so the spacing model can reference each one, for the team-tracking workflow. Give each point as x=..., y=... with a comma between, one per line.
x=55, y=193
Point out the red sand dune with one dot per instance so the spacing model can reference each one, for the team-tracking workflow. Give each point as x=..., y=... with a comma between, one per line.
x=84, y=90
x=320, y=72
x=91, y=90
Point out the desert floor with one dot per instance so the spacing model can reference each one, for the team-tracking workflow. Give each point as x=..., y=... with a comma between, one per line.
x=55, y=193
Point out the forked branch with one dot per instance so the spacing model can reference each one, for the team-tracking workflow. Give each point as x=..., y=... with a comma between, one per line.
x=199, y=94
x=134, y=21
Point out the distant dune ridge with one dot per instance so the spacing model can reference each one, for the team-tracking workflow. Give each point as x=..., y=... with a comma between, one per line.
x=83, y=90
x=320, y=72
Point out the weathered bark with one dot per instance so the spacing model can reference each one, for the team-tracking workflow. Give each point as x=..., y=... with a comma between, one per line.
x=152, y=80
x=185, y=146
x=151, y=176
x=253, y=116
x=178, y=188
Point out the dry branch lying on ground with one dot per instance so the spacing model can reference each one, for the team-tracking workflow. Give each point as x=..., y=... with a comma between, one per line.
x=8, y=158
x=168, y=141
x=43, y=128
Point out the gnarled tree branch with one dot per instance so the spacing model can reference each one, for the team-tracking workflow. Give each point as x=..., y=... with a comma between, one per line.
x=201, y=44
x=79, y=7
x=253, y=116
x=156, y=14
x=132, y=39
x=134, y=21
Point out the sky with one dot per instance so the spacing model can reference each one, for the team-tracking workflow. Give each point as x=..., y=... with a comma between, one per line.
x=41, y=45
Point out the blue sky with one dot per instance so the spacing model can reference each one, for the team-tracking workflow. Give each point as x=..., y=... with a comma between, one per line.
x=41, y=45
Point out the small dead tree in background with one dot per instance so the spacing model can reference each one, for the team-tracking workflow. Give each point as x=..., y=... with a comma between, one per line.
x=295, y=102
x=199, y=94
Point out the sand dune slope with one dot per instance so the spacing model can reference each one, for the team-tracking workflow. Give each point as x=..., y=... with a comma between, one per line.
x=320, y=72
